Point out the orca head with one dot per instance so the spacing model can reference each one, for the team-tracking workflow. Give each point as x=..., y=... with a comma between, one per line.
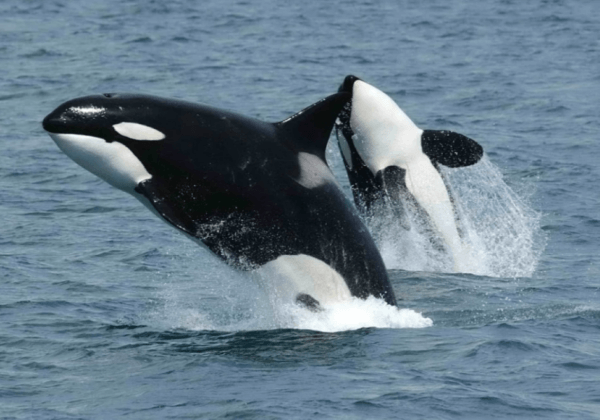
x=104, y=133
x=375, y=131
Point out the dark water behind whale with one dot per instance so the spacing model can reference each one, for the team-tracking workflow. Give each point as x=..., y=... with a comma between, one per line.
x=105, y=312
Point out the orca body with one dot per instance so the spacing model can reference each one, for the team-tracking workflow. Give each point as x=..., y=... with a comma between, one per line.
x=259, y=195
x=389, y=159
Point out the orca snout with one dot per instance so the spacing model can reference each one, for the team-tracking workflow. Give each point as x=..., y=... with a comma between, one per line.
x=77, y=115
x=54, y=122
x=348, y=83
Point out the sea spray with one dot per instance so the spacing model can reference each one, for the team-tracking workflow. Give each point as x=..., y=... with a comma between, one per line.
x=500, y=231
x=247, y=307
x=352, y=315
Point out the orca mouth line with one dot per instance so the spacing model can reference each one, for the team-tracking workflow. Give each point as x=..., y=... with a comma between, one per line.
x=58, y=123
x=53, y=125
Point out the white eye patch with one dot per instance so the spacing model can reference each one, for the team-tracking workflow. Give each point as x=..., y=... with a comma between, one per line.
x=137, y=131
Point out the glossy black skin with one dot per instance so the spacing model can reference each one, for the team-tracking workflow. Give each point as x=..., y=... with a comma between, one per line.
x=442, y=147
x=231, y=182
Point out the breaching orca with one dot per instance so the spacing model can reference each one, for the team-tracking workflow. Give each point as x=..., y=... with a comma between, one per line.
x=259, y=195
x=388, y=158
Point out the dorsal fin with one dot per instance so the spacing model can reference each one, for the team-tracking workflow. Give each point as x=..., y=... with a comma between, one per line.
x=311, y=127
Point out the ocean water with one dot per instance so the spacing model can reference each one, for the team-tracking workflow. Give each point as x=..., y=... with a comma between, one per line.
x=106, y=312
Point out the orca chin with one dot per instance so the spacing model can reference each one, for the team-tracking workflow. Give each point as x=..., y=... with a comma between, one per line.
x=389, y=159
x=257, y=194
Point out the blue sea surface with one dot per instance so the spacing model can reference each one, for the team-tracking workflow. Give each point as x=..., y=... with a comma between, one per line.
x=106, y=312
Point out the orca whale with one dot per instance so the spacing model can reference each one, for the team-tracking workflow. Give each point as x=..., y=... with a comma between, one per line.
x=389, y=160
x=259, y=195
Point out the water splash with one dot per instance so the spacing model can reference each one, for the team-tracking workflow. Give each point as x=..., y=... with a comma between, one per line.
x=246, y=306
x=500, y=231
x=354, y=314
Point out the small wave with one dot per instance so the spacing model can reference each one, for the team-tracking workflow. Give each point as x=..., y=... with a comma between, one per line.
x=9, y=96
x=40, y=52
x=141, y=40
x=100, y=209
x=578, y=366
x=510, y=317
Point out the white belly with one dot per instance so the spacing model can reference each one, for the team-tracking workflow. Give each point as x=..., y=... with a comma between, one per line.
x=290, y=275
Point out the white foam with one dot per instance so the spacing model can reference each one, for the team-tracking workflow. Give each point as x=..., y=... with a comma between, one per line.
x=352, y=315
